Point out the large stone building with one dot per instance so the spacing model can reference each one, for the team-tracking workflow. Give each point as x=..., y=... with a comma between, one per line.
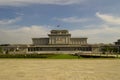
x=59, y=37
x=59, y=40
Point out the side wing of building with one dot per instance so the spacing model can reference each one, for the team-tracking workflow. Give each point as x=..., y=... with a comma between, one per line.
x=40, y=41
x=78, y=41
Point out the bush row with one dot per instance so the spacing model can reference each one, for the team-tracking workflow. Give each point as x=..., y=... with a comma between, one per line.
x=51, y=56
x=25, y=55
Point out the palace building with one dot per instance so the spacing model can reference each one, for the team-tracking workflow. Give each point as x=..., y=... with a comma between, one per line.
x=59, y=40
x=59, y=37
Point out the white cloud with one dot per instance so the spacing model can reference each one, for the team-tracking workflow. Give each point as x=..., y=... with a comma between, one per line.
x=9, y=21
x=22, y=35
x=105, y=34
x=26, y=2
x=108, y=18
x=73, y=19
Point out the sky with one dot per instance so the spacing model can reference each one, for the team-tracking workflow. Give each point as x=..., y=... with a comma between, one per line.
x=22, y=20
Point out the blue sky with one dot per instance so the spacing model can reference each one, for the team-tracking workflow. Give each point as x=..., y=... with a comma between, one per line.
x=21, y=20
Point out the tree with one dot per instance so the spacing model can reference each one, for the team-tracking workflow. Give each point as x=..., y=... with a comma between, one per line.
x=107, y=49
x=104, y=49
x=1, y=50
x=115, y=49
x=110, y=49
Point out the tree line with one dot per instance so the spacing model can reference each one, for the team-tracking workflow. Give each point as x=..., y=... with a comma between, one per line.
x=110, y=49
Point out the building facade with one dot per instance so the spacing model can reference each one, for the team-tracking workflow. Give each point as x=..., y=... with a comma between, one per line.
x=59, y=40
x=59, y=37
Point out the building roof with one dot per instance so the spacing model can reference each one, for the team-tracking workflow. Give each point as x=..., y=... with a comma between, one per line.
x=41, y=38
x=78, y=38
x=59, y=30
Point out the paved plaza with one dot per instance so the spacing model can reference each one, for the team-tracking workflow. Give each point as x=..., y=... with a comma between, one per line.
x=59, y=69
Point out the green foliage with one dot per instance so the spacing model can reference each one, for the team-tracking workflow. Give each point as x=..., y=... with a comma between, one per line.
x=104, y=49
x=44, y=56
x=109, y=49
x=51, y=56
x=115, y=49
x=1, y=50
x=63, y=56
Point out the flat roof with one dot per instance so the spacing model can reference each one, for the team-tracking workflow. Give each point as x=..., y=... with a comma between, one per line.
x=59, y=30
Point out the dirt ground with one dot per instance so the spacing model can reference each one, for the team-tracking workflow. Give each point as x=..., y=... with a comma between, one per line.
x=78, y=69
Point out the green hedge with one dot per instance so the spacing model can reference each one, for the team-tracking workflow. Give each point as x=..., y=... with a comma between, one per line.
x=23, y=56
x=45, y=56
x=51, y=56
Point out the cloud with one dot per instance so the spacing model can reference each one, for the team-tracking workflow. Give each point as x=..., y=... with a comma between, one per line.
x=27, y=2
x=22, y=35
x=9, y=21
x=72, y=19
x=103, y=34
x=108, y=18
